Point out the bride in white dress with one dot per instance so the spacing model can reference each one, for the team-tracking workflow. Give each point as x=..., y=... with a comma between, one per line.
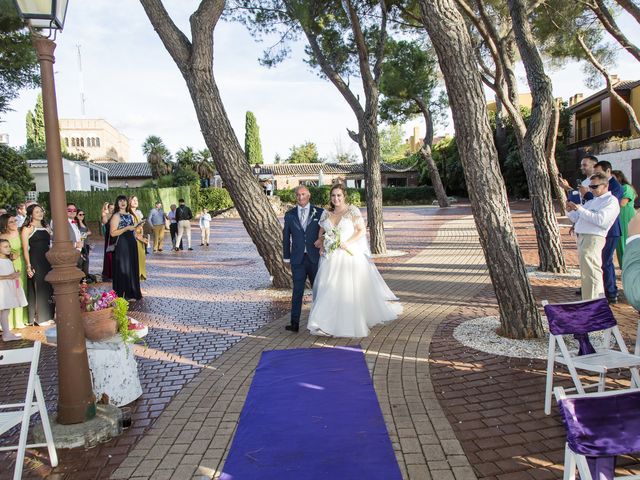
x=349, y=294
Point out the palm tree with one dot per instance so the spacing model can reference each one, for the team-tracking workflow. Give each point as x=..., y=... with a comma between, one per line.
x=158, y=156
x=205, y=167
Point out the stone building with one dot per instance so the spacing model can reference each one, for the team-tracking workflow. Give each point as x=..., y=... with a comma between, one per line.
x=96, y=138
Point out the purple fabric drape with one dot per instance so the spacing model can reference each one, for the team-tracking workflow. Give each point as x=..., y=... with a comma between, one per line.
x=602, y=427
x=579, y=317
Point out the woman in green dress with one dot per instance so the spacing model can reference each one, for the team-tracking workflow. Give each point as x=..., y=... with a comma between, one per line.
x=627, y=210
x=141, y=240
x=19, y=316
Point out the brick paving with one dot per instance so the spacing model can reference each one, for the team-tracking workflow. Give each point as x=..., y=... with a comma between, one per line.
x=452, y=412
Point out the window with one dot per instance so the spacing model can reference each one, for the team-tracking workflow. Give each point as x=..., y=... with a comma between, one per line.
x=98, y=142
x=103, y=177
x=73, y=142
x=92, y=174
x=81, y=141
x=66, y=141
x=88, y=142
x=397, y=182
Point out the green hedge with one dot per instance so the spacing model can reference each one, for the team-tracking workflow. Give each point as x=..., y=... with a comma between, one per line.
x=215, y=199
x=91, y=202
x=390, y=195
x=320, y=195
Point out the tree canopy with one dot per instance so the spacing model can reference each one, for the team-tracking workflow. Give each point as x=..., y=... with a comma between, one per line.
x=305, y=153
x=15, y=178
x=18, y=61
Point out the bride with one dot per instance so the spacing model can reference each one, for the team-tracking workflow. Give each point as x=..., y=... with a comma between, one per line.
x=349, y=294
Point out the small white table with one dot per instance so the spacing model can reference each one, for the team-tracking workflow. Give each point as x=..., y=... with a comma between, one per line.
x=114, y=371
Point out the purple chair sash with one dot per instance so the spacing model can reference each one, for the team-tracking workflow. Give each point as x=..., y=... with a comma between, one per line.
x=602, y=426
x=579, y=318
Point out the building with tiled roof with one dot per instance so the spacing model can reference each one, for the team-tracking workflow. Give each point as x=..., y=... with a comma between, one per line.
x=290, y=175
x=127, y=174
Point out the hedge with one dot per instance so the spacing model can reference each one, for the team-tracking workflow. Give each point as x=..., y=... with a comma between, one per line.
x=215, y=199
x=390, y=195
x=91, y=202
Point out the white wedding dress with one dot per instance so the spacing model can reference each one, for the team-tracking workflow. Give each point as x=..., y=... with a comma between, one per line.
x=349, y=294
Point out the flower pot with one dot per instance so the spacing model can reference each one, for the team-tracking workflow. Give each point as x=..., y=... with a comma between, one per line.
x=99, y=325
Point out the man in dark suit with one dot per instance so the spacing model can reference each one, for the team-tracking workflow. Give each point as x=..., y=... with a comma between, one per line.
x=608, y=268
x=299, y=240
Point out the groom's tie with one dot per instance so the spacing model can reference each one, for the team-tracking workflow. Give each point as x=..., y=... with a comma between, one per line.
x=303, y=218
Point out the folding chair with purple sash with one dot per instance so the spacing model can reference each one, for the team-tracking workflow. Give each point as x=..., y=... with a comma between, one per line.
x=579, y=319
x=599, y=427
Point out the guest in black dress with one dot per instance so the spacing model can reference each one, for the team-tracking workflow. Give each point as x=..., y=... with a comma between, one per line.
x=107, y=259
x=36, y=240
x=125, y=272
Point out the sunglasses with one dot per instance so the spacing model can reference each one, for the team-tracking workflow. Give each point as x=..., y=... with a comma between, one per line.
x=81, y=214
x=595, y=187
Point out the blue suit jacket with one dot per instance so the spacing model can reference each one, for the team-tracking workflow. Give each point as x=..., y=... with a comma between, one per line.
x=295, y=239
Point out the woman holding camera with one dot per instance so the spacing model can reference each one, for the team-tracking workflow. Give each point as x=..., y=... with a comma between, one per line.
x=125, y=269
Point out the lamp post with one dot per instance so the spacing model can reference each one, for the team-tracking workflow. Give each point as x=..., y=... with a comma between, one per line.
x=76, y=402
x=256, y=171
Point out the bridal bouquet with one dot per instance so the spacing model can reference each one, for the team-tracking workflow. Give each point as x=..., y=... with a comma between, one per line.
x=332, y=241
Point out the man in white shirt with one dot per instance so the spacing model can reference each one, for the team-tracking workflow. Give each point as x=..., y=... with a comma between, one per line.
x=592, y=222
x=21, y=214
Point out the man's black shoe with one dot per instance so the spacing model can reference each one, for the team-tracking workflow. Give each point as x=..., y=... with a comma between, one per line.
x=579, y=291
x=292, y=328
x=190, y=249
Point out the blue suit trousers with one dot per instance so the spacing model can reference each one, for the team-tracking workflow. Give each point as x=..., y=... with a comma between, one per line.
x=300, y=272
x=608, y=268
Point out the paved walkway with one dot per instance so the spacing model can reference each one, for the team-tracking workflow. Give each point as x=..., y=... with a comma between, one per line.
x=193, y=435
x=452, y=412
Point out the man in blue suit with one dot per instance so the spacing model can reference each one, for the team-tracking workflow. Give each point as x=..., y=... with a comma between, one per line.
x=608, y=268
x=300, y=247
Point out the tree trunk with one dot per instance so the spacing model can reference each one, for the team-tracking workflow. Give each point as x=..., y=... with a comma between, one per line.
x=425, y=152
x=373, y=182
x=519, y=316
x=533, y=145
x=631, y=8
x=195, y=62
x=550, y=153
x=608, y=22
x=501, y=132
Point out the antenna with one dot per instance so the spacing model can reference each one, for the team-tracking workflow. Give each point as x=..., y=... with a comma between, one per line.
x=82, y=98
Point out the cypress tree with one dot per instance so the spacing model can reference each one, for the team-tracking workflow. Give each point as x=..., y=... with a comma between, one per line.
x=252, y=146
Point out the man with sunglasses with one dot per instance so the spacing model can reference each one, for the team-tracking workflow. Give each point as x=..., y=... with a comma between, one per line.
x=592, y=222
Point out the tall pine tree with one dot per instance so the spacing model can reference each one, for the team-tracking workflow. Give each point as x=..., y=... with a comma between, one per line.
x=252, y=146
x=35, y=126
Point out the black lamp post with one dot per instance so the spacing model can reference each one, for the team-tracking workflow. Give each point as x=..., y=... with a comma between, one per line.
x=76, y=402
x=256, y=171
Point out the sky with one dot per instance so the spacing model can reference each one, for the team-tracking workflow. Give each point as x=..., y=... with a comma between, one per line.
x=131, y=81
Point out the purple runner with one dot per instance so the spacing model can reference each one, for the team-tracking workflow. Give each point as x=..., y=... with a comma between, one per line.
x=311, y=414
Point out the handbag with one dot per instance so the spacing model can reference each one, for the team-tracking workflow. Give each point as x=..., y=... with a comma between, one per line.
x=112, y=246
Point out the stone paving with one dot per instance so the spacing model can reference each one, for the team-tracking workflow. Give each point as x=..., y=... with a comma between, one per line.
x=452, y=412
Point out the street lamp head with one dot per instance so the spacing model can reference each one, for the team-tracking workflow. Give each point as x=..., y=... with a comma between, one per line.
x=43, y=14
x=257, y=169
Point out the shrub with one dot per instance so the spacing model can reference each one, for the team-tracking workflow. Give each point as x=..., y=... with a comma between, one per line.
x=91, y=202
x=215, y=199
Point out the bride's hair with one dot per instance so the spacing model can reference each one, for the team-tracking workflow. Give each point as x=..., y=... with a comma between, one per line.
x=338, y=186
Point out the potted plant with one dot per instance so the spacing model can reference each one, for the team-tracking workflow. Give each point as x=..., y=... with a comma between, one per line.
x=104, y=314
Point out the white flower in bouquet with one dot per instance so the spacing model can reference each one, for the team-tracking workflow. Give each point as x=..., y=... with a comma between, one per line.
x=332, y=241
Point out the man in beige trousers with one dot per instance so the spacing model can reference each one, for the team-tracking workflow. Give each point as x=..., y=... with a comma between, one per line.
x=592, y=222
x=157, y=219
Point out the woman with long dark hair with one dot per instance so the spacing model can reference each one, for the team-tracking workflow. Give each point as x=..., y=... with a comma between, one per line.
x=86, y=244
x=107, y=259
x=126, y=275
x=36, y=241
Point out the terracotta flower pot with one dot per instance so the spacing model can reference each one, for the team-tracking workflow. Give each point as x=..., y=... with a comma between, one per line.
x=99, y=325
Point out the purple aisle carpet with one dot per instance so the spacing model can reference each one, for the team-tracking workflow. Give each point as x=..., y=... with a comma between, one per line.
x=311, y=413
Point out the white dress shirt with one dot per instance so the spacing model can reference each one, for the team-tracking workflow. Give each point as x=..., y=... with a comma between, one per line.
x=596, y=216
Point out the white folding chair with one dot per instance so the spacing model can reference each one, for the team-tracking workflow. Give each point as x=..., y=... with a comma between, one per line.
x=581, y=318
x=600, y=426
x=15, y=413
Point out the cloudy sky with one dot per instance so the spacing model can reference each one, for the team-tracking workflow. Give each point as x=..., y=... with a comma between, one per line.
x=130, y=80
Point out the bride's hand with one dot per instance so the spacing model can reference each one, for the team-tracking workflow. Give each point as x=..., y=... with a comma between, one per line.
x=322, y=251
x=318, y=243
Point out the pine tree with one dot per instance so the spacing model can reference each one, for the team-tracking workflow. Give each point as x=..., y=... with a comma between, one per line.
x=252, y=146
x=35, y=125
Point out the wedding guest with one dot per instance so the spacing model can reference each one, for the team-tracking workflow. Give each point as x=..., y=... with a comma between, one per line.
x=18, y=316
x=157, y=219
x=627, y=211
x=86, y=245
x=205, y=227
x=125, y=269
x=141, y=239
x=592, y=222
x=107, y=259
x=21, y=214
x=11, y=294
x=36, y=240
x=74, y=232
x=183, y=217
x=173, y=227
x=631, y=264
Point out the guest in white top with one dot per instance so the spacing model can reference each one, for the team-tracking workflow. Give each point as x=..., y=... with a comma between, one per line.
x=21, y=214
x=592, y=222
x=205, y=227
